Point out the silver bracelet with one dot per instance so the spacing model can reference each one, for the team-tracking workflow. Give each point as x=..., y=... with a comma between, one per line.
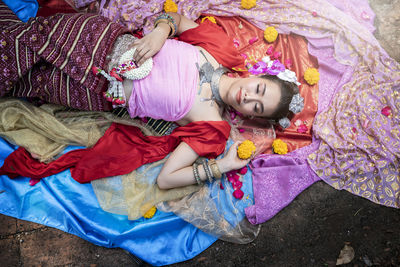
x=196, y=173
x=207, y=170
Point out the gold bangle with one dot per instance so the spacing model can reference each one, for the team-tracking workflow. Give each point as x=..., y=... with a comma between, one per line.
x=161, y=20
x=170, y=24
x=170, y=21
x=214, y=168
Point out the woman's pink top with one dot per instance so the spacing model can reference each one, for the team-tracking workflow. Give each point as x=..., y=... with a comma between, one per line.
x=168, y=92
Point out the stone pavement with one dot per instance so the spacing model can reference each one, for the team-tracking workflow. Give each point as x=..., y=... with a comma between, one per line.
x=311, y=231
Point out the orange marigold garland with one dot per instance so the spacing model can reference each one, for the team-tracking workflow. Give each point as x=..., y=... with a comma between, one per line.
x=270, y=34
x=248, y=4
x=150, y=213
x=279, y=147
x=170, y=6
x=311, y=76
x=246, y=149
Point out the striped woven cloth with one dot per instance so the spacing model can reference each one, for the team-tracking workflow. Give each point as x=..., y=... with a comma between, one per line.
x=51, y=58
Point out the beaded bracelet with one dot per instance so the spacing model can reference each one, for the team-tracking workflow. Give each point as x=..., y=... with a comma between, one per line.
x=207, y=170
x=166, y=18
x=196, y=173
x=214, y=168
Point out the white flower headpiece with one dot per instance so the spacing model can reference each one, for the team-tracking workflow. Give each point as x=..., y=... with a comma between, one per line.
x=282, y=72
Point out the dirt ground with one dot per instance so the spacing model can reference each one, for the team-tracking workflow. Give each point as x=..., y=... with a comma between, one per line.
x=311, y=231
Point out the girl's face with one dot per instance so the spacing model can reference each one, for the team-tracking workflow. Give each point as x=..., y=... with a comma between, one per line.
x=254, y=96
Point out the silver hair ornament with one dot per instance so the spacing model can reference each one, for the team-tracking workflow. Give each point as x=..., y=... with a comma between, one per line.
x=284, y=122
x=297, y=103
x=295, y=106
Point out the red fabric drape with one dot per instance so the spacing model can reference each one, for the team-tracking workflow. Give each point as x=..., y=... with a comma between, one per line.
x=214, y=39
x=52, y=7
x=121, y=150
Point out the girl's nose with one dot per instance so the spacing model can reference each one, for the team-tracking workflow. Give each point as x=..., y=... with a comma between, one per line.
x=245, y=97
x=248, y=97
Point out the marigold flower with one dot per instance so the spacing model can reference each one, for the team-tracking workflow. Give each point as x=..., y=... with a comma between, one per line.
x=150, y=213
x=170, y=6
x=247, y=4
x=311, y=76
x=270, y=34
x=246, y=149
x=210, y=18
x=279, y=147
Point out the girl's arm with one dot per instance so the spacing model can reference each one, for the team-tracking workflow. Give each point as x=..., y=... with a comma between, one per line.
x=151, y=43
x=178, y=171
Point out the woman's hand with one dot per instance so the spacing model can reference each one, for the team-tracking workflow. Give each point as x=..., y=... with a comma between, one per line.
x=150, y=44
x=231, y=161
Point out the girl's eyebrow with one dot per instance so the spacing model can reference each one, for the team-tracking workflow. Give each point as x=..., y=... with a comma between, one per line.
x=265, y=88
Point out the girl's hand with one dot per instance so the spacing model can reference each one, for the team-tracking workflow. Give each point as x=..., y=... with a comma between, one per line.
x=150, y=44
x=231, y=161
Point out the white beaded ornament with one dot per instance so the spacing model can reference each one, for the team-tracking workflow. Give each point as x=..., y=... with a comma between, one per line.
x=136, y=73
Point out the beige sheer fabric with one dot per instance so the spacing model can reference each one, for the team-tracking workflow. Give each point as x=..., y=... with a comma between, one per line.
x=49, y=129
x=202, y=210
x=135, y=193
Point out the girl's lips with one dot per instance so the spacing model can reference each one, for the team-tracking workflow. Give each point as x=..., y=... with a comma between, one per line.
x=239, y=96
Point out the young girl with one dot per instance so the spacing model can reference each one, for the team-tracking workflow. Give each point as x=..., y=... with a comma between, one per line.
x=52, y=59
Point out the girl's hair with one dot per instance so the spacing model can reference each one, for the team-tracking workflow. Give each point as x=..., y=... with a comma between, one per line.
x=288, y=90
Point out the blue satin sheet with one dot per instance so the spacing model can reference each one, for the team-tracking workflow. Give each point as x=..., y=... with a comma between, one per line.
x=59, y=201
x=24, y=9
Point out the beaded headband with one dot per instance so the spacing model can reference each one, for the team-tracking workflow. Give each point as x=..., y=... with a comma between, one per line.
x=275, y=67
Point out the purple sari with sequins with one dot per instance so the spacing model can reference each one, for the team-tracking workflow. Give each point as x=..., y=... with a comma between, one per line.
x=355, y=146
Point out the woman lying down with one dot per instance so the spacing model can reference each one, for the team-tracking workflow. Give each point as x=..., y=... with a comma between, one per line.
x=89, y=63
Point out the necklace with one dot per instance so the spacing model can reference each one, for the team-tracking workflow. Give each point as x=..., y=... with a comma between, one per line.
x=208, y=74
x=216, y=77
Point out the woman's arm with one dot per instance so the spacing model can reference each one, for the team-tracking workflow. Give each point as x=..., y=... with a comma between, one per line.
x=178, y=171
x=151, y=43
